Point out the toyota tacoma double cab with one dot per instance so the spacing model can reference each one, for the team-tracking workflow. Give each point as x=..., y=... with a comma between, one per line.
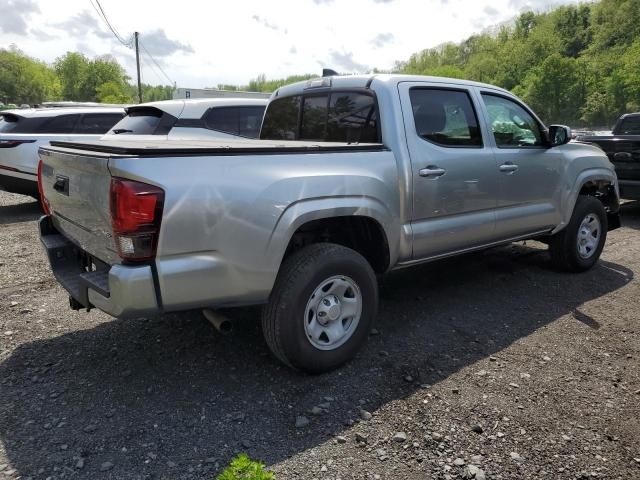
x=352, y=177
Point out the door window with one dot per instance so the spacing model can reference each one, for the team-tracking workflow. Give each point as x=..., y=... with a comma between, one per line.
x=61, y=124
x=249, y=120
x=445, y=117
x=244, y=121
x=630, y=126
x=97, y=123
x=511, y=124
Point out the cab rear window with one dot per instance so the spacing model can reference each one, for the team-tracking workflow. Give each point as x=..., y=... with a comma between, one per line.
x=350, y=117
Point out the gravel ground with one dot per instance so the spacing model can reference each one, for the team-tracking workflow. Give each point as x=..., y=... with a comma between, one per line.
x=488, y=366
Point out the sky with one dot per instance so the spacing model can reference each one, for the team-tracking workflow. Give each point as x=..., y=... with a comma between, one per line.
x=200, y=43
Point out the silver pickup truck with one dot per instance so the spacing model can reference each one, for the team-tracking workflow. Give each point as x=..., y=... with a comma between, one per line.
x=352, y=177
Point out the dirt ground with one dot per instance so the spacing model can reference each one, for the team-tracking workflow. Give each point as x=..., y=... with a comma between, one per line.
x=488, y=366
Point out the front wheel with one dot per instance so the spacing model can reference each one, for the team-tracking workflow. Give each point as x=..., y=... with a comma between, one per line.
x=321, y=308
x=578, y=247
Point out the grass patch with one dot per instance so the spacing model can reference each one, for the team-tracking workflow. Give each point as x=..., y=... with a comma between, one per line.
x=243, y=468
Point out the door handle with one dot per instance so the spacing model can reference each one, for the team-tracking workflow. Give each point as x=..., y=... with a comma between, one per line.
x=432, y=171
x=508, y=167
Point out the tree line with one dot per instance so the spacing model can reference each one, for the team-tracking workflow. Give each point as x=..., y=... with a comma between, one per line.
x=578, y=65
x=71, y=77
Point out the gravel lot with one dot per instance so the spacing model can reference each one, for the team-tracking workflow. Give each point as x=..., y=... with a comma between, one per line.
x=488, y=366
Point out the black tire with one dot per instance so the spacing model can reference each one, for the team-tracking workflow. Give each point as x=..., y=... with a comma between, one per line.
x=283, y=318
x=563, y=246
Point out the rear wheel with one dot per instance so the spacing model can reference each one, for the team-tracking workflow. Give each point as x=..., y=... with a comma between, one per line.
x=578, y=247
x=321, y=308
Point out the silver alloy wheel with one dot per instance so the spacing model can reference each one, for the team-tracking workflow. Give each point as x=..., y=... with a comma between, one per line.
x=333, y=312
x=589, y=235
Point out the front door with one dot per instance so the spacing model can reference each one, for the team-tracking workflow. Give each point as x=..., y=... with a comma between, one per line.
x=530, y=171
x=454, y=175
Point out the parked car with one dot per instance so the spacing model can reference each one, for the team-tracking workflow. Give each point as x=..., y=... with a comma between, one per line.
x=356, y=176
x=192, y=119
x=622, y=146
x=22, y=132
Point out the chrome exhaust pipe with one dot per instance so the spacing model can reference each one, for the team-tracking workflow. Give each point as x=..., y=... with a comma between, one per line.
x=222, y=324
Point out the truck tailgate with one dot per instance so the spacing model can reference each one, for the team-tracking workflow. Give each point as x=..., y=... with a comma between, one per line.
x=76, y=187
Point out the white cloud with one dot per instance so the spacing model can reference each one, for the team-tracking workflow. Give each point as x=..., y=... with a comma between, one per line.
x=198, y=43
x=15, y=15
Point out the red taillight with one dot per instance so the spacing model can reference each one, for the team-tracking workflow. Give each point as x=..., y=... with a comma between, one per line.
x=43, y=199
x=136, y=213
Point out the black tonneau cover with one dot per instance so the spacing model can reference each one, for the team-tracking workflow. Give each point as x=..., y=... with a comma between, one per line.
x=152, y=148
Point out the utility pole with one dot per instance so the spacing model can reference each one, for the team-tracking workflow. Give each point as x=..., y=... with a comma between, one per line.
x=138, y=67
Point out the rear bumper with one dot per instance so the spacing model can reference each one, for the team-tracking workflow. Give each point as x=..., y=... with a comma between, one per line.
x=21, y=183
x=119, y=290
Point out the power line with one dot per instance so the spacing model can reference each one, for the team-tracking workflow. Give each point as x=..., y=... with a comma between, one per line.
x=129, y=43
x=171, y=82
x=145, y=61
x=101, y=13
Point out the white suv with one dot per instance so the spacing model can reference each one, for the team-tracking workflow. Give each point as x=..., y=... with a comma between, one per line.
x=206, y=118
x=22, y=132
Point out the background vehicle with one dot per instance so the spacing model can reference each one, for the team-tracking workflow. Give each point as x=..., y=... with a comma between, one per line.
x=419, y=168
x=22, y=132
x=622, y=147
x=199, y=118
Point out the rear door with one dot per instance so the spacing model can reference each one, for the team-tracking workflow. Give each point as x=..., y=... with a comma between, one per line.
x=454, y=177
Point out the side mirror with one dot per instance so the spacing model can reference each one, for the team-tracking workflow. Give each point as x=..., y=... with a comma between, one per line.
x=559, y=135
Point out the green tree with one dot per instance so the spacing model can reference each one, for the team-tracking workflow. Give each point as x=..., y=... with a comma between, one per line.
x=26, y=80
x=112, y=92
x=72, y=70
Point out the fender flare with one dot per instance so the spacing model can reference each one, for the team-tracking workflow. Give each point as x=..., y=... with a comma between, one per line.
x=306, y=210
x=570, y=196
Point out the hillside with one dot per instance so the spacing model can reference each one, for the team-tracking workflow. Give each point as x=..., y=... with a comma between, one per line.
x=576, y=64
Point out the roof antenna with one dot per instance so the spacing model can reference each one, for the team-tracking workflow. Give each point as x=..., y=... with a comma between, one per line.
x=327, y=72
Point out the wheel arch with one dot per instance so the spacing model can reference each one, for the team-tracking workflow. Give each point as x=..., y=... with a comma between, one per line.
x=335, y=220
x=600, y=183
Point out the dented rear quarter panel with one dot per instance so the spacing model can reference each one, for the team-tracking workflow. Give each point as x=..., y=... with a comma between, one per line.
x=225, y=230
